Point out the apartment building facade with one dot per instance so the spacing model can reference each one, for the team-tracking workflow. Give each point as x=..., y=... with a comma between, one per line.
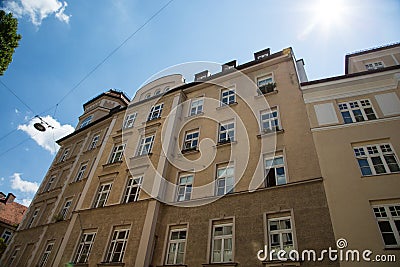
x=355, y=123
x=207, y=173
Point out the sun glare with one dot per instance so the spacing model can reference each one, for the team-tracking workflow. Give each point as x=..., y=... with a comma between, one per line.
x=330, y=12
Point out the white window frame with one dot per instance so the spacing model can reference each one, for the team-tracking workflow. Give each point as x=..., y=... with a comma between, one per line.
x=134, y=183
x=86, y=121
x=367, y=155
x=102, y=195
x=46, y=254
x=222, y=237
x=155, y=112
x=33, y=218
x=50, y=183
x=269, y=120
x=225, y=128
x=280, y=233
x=272, y=167
x=130, y=120
x=227, y=178
x=94, y=142
x=14, y=255
x=357, y=111
x=64, y=211
x=145, y=145
x=81, y=172
x=263, y=81
x=229, y=98
x=191, y=141
x=375, y=65
x=64, y=156
x=113, y=245
x=7, y=234
x=117, y=153
x=84, y=247
x=175, y=245
x=388, y=213
x=196, y=106
x=185, y=187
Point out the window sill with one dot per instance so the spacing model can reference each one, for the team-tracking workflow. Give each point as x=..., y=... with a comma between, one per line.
x=379, y=174
x=152, y=120
x=278, y=263
x=220, y=264
x=263, y=134
x=172, y=265
x=227, y=105
x=110, y=264
x=392, y=248
x=190, y=151
x=266, y=94
x=112, y=164
x=189, y=117
x=221, y=144
x=140, y=156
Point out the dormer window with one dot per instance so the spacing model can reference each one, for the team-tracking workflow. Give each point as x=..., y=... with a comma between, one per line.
x=375, y=65
x=86, y=121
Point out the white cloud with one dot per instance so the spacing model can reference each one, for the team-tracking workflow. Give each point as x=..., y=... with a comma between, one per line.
x=26, y=201
x=47, y=138
x=37, y=10
x=24, y=186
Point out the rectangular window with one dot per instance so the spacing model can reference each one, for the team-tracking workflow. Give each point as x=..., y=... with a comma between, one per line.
x=6, y=236
x=65, y=209
x=93, y=144
x=376, y=159
x=46, y=254
x=375, y=65
x=225, y=180
x=117, y=154
x=191, y=140
x=64, y=155
x=117, y=246
x=266, y=84
x=270, y=120
x=155, y=112
x=32, y=220
x=49, y=183
x=185, y=187
x=388, y=217
x=196, y=107
x=280, y=234
x=226, y=132
x=275, y=171
x=146, y=143
x=81, y=172
x=102, y=195
x=222, y=243
x=129, y=120
x=14, y=256
x=176, y=246
x=228, y=96
x=85, y=245
x=133, y=189
x=356, y=111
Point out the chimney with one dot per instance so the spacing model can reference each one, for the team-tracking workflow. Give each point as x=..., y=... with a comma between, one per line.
x=2, y=196
x=10, y=198
x=301, y=72
x=229, y=65
x=201, y=75
x=262, y=54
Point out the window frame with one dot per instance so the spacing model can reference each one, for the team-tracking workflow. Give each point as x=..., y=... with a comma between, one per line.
x=80, y=250
x=177, y=242
x=130, y=120
x=349, y=108
x=117, y=153
x=94, y=142
x=280, y=232
x=46, y=254
x=86, y=121
x=155, y=112
x=223, y=238
x=265, y=77
x=81, y=172
x=187, y=187
x=198, y=108
x=64, y=155
x=228, y=96
x=226, y=131
x=392, y=219
x=49, y=183
x=100, y=192
x=33, y=217
x=270, y=120
x=142, y=144
x=7, y=235
x=14, y=255
x=192, y=140
x=375, y=65
x=113, y=245
x=128, y=189
x=65, y=209
x=273, y=167
x=225, y=177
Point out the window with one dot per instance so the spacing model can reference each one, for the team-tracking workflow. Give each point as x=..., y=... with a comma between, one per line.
x=64, y=155
x=280, y=235
x=176, y=246
x=93, y=144
x=14, y=255
x=49, y=183
x=117, y=153
x=148, y=96
x=269, y=120
x=146, y=143
x=130, y=120
x=102, y=195
x=222, y=245
x=225, y=180
x=376, y=159
x=34, y=215
x=191, y=140
x=132, y=189
x=375, y=65
x=118, y=244
x=185, y=187
x=166, y=89
x=155, y=112
x=275, y=171
x=266, y=84
x=388, y=217
x=81, y=172
x=86, y=121
x=46, y=255
x=196, y=107
x=228, y=96
x=65, y=209
x=157, y=92
x=226, y=132
x=85, y=245
x=6, y=236
x=356, y=111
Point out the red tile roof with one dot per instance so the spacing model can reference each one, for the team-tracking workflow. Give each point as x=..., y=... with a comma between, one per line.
x=11, y=213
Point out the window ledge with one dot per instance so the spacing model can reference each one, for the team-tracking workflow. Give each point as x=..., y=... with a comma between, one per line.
x=140, y=156
x=392, y=248
x=90, y=150
x=189, y=117
x=116, y=163
x=266, y=94
x=152, y=120
x=172, y=265
x=110, y=264
x=227, y=105
x=220, y=264
x=263, y=134
x=379, y=174
x=190, y=151
x=278, y=263
x=225, y=144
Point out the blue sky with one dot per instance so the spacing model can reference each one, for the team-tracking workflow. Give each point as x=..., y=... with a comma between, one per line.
x=63, y=41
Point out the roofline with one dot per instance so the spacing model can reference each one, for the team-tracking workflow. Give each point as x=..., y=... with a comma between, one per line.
x=366, y=51
x=122, y=97
x=345, y=76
